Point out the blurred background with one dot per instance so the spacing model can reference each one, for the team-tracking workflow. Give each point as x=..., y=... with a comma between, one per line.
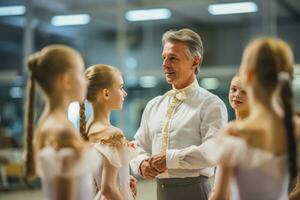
x=127, y=34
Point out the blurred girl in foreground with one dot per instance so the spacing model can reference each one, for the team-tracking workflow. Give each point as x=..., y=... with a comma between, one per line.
x=56, y=151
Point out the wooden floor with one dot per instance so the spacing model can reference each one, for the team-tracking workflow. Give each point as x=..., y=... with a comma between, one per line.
x=146, y=191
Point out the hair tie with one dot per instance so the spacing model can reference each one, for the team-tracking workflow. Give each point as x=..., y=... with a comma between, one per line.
x=284, y=76
x=33, y=62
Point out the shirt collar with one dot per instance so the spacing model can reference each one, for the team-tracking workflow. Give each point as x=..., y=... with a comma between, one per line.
x=189, y=88
x=181, y=93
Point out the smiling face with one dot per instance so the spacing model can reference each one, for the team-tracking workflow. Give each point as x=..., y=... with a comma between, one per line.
x=237, y=95
x=178, y=64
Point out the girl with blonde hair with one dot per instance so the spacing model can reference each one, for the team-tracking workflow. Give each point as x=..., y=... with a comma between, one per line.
x=257, y=155
x=238, y=99
x=106, y=93
x=55, y=151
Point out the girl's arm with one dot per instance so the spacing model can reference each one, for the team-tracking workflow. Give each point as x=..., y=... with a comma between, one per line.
x=65, y=185
x=222, y=184
x=109, y=184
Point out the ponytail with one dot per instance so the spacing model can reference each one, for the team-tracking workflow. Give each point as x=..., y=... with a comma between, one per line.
x=29, y=125
x=287, y=100
x=83, y=132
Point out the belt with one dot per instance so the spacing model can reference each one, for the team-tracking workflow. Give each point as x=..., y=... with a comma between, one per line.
x=179, y=181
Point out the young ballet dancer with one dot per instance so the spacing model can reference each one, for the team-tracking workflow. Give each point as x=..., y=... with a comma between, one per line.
x=257, y=155
x=106, y=93
x=54, y=149
x=238, y=101
x=238, y=98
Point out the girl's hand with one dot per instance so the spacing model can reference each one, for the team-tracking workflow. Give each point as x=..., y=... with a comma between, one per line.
x=133, y=186
x=132, y=144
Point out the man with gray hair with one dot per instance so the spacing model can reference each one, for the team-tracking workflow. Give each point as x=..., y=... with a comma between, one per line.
x=175, y=126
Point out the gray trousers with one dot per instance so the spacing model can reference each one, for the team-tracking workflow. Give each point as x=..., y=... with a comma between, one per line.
x=195, y=188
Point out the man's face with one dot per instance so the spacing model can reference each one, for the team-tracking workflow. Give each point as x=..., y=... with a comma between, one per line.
x=178, y=64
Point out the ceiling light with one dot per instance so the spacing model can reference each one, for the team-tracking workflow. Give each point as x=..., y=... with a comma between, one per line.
x=232, y=8
x=68, y=20
x=149, y=14
x=12, y=10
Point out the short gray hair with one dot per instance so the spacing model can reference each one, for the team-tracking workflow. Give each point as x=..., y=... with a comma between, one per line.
x=191, y=38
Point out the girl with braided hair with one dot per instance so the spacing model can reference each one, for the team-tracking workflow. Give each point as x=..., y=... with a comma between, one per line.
x=106, y=93
x=55, y=151
x=257, y=155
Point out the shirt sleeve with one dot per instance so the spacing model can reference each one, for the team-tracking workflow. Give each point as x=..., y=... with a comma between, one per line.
x=213, y=118
x=143, y=142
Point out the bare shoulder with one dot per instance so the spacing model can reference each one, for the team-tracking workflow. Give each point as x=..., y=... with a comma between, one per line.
x=234, y=128
x=111, y=136
x=112, y=130
x=68, y=137
x=58, y=136
x=243, y=129
x=113, y=133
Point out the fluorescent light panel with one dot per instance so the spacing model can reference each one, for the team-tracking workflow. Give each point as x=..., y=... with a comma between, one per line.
x=68, y=20
x=12, y=10
x=232, y=8
x=149, y=14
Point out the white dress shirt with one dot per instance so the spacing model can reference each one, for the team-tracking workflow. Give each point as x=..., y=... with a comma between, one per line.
x=198, y=118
